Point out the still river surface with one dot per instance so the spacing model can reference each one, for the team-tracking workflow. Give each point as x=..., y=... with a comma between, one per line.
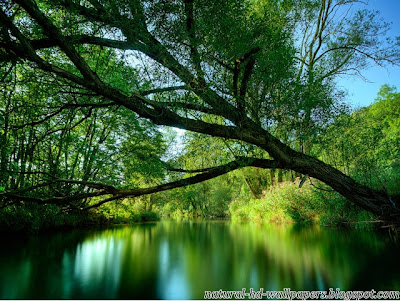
x=180, y=260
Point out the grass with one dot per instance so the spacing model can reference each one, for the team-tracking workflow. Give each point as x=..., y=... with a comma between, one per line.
x=287, y=203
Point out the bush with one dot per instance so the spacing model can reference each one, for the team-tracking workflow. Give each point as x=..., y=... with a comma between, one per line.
x=149, y=216
x=287, y=203
x=125, y=213
x=33, y=218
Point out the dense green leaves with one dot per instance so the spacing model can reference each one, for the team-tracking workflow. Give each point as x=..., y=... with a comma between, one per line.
x=365, y=143
x=88, y=83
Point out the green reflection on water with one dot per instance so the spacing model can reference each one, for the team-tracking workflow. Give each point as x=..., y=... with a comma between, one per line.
x=180, y=260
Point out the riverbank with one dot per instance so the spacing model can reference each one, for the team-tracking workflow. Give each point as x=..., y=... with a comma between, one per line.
x=33, y=218
x=285, y=203
x=288, y=203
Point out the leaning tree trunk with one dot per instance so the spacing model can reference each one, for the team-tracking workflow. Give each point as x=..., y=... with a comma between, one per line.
x=378, y=202
x=240, y=127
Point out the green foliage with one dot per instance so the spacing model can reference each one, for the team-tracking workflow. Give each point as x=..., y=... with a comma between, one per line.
x=61, y=134
x=34, y=218
x=365, y=143
x=287, y=203
x=123, y=212
x=149, y=216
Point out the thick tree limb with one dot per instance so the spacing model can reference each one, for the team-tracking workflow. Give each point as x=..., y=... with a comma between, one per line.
x=246, y=161
x=151, y=48
x=137, y=103
x=249, y=132
x=207, y=174
x=85, y=39
x=245, y=79
x=241, y=127
x=53, y=32
x=246, y=76
x=249, y=54
x=104, y=189
x=190, y=27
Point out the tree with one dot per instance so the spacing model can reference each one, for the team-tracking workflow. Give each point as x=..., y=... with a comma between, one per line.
x=372, y=157
x=233, y=61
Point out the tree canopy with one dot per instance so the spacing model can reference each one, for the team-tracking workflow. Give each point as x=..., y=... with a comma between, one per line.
x=88, y=86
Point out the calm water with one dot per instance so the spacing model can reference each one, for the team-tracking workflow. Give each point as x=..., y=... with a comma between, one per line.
x=172, y=260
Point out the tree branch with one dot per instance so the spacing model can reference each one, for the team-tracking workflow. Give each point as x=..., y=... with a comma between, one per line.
x=207, y=174
x=190, y=27
x=150, y=46
x=165, y=89
x=243, y=87
x=246, y=76
x=105, y=189
x=53, y=32
x=189, y=106
x=246, y=161
x=85, y=39
x=62, y=108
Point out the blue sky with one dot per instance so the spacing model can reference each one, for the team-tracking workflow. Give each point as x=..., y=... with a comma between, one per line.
x=364, y=93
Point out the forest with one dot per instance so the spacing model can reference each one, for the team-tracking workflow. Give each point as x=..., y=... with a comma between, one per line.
x=131, y=110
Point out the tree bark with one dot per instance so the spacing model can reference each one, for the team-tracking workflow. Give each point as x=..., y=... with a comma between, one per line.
x=240, y=126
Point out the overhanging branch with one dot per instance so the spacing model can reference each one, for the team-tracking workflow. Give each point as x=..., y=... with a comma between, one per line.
x=15, y=197
x=207, y=174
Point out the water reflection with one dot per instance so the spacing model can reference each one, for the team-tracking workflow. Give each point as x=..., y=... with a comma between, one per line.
x=94, y=267
x=170, y=260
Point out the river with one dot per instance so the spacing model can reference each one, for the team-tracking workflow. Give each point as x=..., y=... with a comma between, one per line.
x=181, y=260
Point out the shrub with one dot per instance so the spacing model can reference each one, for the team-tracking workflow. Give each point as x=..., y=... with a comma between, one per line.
x=287, y=203
x=149, y=216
